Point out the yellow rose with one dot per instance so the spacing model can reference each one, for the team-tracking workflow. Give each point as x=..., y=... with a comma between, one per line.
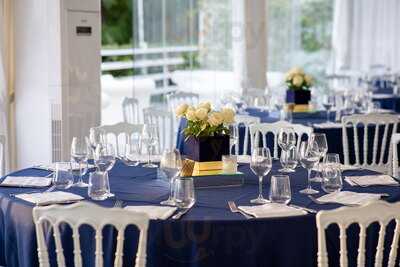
x=181, y=109
x=215, y=119
x=308, y=79
x=289, y=76
x=297, y=70
x=206, y=105
x=201, y=113
x=228, y=115
x=298, y=80
x=190, y=114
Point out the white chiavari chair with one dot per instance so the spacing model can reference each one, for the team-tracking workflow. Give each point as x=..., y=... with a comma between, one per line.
x=163, y=119
x=181, y=97
x=3, y=155
x=246, y=121
x=95, y=216
x=130, y=110
x=261, y=130
x=358, y=123
x=376, y=211
x=113, y=133
x=395, y=159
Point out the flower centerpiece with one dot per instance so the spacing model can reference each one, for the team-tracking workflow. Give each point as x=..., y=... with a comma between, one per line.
x=206, y=133
x=298, y=84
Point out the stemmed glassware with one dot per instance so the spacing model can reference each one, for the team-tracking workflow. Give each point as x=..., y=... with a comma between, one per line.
x=331, y=178
x=132, y=151
x=233, y=137
x=286, y=141
x=150, y=140
x=171, y=165
x=79, y=154
x=320, y=140
x=96, y=137
x=328, y=103
x=104, y=159
x=260, y=164
x=289, y=160
x=309, y=157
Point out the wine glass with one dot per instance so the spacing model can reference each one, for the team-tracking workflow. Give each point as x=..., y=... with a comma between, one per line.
x=104, y=159
x=96, y=136
x=328, y=102
x=171, y=165
x=289, y=160
x=150, y=140
x=322, y=146
x=79, y=154
x=286, y=141
x=332, y=159
x=233, y=137
x=309, y=157
x=331, y=178
x=260, y=164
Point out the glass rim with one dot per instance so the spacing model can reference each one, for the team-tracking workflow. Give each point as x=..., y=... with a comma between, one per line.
x=280, y=176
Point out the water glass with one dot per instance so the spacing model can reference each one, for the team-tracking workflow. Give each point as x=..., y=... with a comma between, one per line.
x=280, y=191
x=331, y=179
x=63, y=179
x=184, y=192
x=98, y=186
x=289, y=160
x=229, y=164
x=332, y=159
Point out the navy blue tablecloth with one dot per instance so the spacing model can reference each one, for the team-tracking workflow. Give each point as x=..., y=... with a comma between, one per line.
x=209, y=235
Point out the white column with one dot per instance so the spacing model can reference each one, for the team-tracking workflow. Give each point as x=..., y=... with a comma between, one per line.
x=249, y=42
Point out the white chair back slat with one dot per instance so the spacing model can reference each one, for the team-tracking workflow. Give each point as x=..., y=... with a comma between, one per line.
x=3, y=155
x=180, y=97
x=363, y=122
x=394, y=246
x=376, y=211
x=118, y=130
x=85, y=213
x=265, y=128
x=246, y=121
x=164, y=121
x=130, y=110
x=395, y=160
x=59, y=248
x=77, y=246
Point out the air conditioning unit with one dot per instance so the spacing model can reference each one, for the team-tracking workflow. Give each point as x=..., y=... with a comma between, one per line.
x=58, y=91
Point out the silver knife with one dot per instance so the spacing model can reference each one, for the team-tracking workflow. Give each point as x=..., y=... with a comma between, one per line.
x=181, y=213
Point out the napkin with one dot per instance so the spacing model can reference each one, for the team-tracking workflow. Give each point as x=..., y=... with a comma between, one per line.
x=368, y=180
x=64, y=166
x=243, y=159
x=349, y=198
x=344, y=167
x=26, y=181
x=47, y=198
x=271, y=210
x=154, y=212
x=328, y=125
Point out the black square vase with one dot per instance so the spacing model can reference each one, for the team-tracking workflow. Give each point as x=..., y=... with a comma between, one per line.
x=206, y=148
x=298, y=97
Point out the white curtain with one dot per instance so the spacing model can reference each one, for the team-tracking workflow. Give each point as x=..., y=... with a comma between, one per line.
x=366, y=33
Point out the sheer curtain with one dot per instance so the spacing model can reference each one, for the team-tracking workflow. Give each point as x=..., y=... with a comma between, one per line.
x=6, y=72
x=366, y=33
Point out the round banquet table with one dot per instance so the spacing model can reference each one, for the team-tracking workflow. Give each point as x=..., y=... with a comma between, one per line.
x=208, y=235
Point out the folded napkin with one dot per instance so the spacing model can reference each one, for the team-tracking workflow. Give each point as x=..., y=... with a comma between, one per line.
x=325, y=125
x=344, y=167
x=271, y=210
x=369, y=180
x=154, y=212
x=26, y=181
x=243, y=159
x=64, y=166
x=349, y=198
x=48, y=198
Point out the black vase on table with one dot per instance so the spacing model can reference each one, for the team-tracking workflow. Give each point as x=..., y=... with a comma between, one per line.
x=206, y=148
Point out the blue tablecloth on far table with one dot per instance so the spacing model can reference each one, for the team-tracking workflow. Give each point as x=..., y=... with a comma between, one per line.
x=209, y=235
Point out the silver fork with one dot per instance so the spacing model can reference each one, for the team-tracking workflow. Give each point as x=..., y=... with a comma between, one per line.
x=234, y=209
x=118, y=204
x=316, y=201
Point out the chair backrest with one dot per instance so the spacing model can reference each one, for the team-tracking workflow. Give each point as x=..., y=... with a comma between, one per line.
x=180, y=97
x=246, y=121
x=363, y=123
x=376, y=211
x=264, y=128
x=164, y=121
x=130, y=110
x=117, y=130
x=3, y=155
x=95, y=216
x=395, y=159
